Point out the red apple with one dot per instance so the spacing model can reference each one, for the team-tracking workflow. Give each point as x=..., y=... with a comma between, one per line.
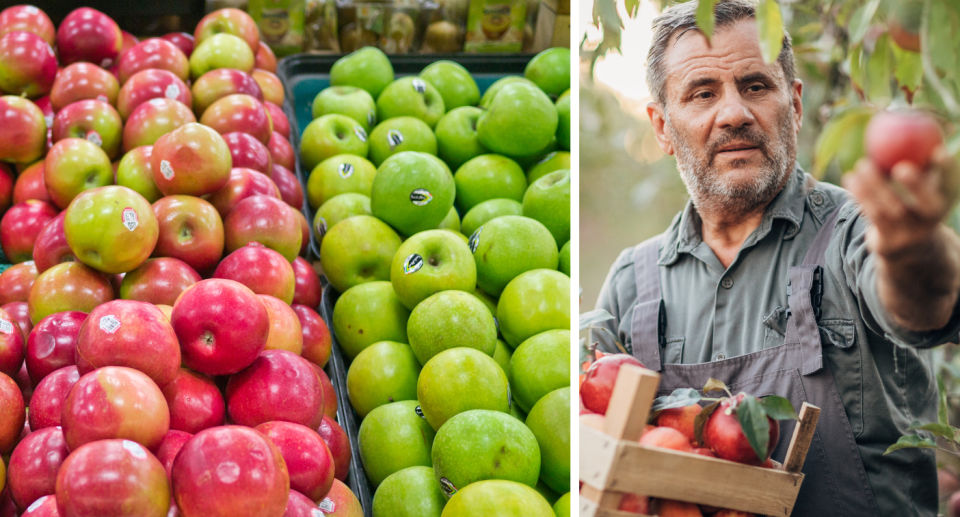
x=724, y=435
x=93, y=120
x=74, y=165
x=329, y=393
x=30, y=185
x=198, y=154
x=28, y=65
x=190, y=230
x=666, y=438
x=158, y=281
x=597, y=385
x=266, y=59
x=112, y=477
x=316, y=335
x=13, y=349
x=71, y=286
x=279, y=385
x=151, y=84
x=52, y=344
x=154, y=119
x=28, y=18
x=20, y=227
x=282, y=152
x=115, y=402
x=132, y=334
x=247, y=152
x=304, y=230
x=270, y=85
x=299, y=505
x=195, y=402
x=290, y=189
x=339, y=445
x=222, y=326
x=81, y=81
x=230, y=21
x=239, y=112
x=285, y=332
x=266, y=220
x=89, y=35
x=16, y=281
x=342, y=500
x=46, y=506
x=281, y=124
x=308, y=459
x=262, y=270
x=7, y=182
x=12, y=414
x=308, y=289
x=20, y=311
x=51, y=247
x=7, y=506
x=892, y=137
x=243, y=183
x=240, y=465
x=154, y=53
x=182, y=40
x=34, y=465
x=129, y=41
x=23, y=130
x=172, y=442
x=634, y=503
x=219, y=83
x=680, y=419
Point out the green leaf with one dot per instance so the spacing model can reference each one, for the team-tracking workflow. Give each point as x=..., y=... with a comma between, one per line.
x=778, y=408
x=714, y=385
x=593, y=317
x=843, y=132
x=879, y=72
x=701, y=420
x=682, y=397
x=941, y=430
x=912, y=441
x=770, y=27
x=632, y=6
x=855, y=62
x=860, y=21
x=909, y=68
x=755, y=425
x=706, y=17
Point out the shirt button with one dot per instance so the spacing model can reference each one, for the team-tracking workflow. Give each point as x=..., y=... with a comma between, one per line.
x=727, y=283
x=720, y=356
x=817, y=199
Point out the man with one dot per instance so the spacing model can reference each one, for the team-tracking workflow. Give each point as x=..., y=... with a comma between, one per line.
x=730, y=290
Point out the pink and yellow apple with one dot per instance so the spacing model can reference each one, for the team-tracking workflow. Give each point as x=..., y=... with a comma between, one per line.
x=195, y=402
x=183, y=41
x=158, y=281
x=261, y=269
x=266, y=59
x=266, y=220
x=285, y=332
x=46, y=408
x=151, y=84
x=229, y=21
x=135, y=171
x=89, y=35
x=81, y=81
x=270, y=85
x=308, y=288
x=28, y=18
x=307, y=457
x=51, y=247
x=243, y=183
x=52, y=344
x=238, y=112
x=30, y=185
x=23, y=130
x=220, y=51
x=281, y=124
x=192, y=160
x=92, y=120
x=281, y=151
x=316, y=336
x=12, y=414
x=153, y=119
x=290, y=189
x=21, y=226
x=219, y=83
x=248, y=152
x=154, y=53
x=75, y=165
x=13, y=344
x=70, y=286
x=28, y=65
x=16, y=281
x=190, y=230
x=34, y=465
x=279, y=385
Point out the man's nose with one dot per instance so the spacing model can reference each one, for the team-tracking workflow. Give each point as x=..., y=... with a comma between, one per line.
x=734, y=111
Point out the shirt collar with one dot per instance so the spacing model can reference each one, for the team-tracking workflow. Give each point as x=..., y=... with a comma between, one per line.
x=684, y=233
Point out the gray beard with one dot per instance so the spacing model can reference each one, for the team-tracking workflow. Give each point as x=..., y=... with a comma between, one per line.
x=712, y=193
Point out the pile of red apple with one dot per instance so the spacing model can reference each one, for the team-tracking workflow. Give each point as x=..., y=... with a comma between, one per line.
x=160, y=353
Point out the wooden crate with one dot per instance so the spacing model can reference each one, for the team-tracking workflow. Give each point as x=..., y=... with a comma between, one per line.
x=612, y=463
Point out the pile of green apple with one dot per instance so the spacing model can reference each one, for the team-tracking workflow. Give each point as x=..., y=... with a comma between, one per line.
x=459, y=346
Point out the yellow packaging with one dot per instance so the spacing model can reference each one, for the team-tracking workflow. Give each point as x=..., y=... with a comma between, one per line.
x=495, y=26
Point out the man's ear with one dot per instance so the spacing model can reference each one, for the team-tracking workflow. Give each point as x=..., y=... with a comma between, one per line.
x=796, y=94
x=659, y=120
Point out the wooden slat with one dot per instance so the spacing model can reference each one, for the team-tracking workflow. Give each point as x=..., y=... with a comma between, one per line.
x=802, y=435
x=597, y=453
x=603, y=498
x=589, y=508
x=630, y=403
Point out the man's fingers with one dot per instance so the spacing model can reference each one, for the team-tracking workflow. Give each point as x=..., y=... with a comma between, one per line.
x=879, y=202
x=922, y=191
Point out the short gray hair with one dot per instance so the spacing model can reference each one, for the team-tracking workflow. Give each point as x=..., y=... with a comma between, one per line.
x=683, y=17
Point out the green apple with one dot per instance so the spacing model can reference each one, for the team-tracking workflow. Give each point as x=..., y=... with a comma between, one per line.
x=337, y=175
x=487, y=211
x=412, y=192
x=351, y=101
x=534, y=302
x=481, y=444
x=356, y=250
x=495, y=88
x=549, y=420
x=564, y=266
x=401, y=134
x=337, y=209
x=430, y=262
x=554, y=161
x=368, y=68
x=498, y=497
x=548, y=201
x=450, y=319
x=540, y=365
x=356, y=329
x=221, y=50
x=562, y=508
x=134, y=172
x=454, y=83
x=521, y=119
x=458, y=380
x=502, y=355
x=451, y=222
x=508, y=246
x=563, y=125
x=564, y=95
x=550, y=70
x=457, y=139
x=331, y=135
x=382, y=373
x=530, y=160
x=411, y=492
x=542, y=487
x=489, y=176
x=411, y=97
x=392, y=438
x=111, y=229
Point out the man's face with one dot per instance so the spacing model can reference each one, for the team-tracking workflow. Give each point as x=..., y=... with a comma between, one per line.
x=731, y=119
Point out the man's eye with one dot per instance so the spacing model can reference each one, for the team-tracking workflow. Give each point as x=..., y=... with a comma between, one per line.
x=757, y=88
x=703, y=95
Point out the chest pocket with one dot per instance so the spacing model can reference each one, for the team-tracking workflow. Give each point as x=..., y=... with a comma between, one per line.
x=673, y=352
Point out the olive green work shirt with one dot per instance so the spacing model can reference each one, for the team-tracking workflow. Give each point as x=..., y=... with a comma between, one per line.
x=884, y=373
